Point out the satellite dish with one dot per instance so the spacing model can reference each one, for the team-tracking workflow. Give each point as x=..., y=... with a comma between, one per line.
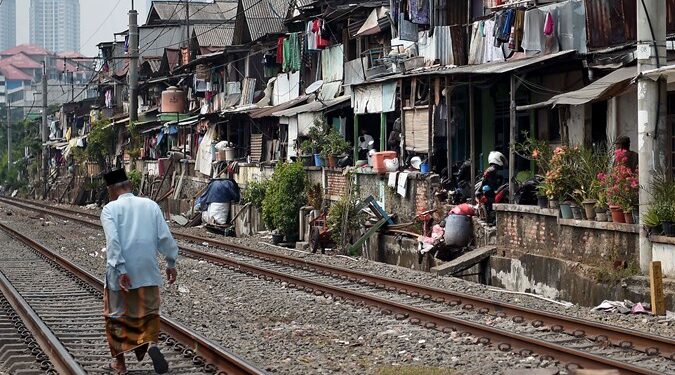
x=314, y=87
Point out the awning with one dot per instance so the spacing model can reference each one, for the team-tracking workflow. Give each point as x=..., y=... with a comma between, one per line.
x=268, y=111
x=314, y=106
x=666, y=72
x=372, y=26
x=510, y=65
x=605, y=87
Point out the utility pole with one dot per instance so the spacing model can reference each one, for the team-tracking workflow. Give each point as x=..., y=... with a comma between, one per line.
x=652, y=131
x=44, y=131
x=133, y=64
x=9, y=134
x=187, y=28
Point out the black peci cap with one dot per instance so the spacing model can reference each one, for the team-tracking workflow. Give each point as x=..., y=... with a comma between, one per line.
x=115, y=177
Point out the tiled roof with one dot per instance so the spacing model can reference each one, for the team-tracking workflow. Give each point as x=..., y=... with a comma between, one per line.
x=11, y=73
x=210, y=36
x=265, y=16
x=28, y=49
x=21, y=61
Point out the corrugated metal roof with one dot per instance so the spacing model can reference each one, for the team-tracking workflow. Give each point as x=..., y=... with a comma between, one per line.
x=208, y=36
x=228, y=8
x=174, y=11
x=268, y=111
x=315, y=106
x=605, y=87
x=610, y=22
x=153, y=39
x=265, y=16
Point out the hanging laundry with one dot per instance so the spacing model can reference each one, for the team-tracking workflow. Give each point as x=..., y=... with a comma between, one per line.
x=533, y=31
x=548, y=24
x=476, y=44
x=550, y=38
x=419, y=11
x=280, y=50
x=322, y=34
x=311, y=37
x=291, y=53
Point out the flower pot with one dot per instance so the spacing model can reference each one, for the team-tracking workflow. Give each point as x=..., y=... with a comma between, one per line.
x=317, y=160
x=628, y=217
x=332, y=161
x=601, y=216
x=668, y=228
x=566, y=210
x=307, y=160
x=542, y=201
x=589, y=208
x=617, y=214
x=277, y=238
x=552, y=203
x=576, y=212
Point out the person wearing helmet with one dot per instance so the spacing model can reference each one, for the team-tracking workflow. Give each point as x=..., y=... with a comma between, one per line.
x=491, y=178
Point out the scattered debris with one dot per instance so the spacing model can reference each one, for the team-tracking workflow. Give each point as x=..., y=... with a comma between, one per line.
x=623, y=307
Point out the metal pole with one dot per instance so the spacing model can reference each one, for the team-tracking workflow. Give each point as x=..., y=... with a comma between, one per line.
x=448, y=127
x=9, y=135
x=512, y=137
x=45, y=133
x=356, y=138
x=187, y=29
x=651, y=116
x=133, y=66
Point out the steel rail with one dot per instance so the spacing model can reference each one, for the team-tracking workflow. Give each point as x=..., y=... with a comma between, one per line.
x=212, y=353
x=652, y=344
x=617, y=336
x=59, y=356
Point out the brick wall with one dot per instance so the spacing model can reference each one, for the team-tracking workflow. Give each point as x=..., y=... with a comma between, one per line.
x=422, y=196
x=336, y=183
x=525, y=229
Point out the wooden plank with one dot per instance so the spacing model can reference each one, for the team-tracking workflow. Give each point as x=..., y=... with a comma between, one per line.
x=465, y=261
x=357, y=245
x=179, y=188
x=656, y=286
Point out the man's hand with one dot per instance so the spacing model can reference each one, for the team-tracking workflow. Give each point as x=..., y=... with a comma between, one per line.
x=125, y=282
x=171, y=275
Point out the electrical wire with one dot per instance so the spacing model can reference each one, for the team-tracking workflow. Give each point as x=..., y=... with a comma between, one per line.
x=101, y=24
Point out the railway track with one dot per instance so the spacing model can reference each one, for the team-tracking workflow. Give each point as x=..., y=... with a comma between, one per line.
x=574, y=342
x=61, y=305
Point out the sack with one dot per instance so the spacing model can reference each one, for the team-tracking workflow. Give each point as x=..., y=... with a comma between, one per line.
x=219, y=213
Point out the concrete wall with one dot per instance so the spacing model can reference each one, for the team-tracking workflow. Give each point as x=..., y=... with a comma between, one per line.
x=565, y=280
x=663, y=250
x=576, y=124
x=529, y=229
x=627, y=117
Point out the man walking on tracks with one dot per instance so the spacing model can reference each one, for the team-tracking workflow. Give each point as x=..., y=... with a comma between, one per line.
x=135, y=231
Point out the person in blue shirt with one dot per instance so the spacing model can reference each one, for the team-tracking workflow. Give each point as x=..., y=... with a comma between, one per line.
x=135, y=231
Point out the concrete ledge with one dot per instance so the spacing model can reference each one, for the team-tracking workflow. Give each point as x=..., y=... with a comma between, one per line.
x=535, y=210
x=599, y=225
x=465, y=261
x=663, y=239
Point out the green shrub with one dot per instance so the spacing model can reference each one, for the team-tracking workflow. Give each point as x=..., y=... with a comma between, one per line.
x=100, y=142
x=255, y=193
x=135, y=178
x=284, y=197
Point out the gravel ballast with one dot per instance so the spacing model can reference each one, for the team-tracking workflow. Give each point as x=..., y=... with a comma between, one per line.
x=282, y=329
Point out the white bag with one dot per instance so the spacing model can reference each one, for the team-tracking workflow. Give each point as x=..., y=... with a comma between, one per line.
x=219, y=213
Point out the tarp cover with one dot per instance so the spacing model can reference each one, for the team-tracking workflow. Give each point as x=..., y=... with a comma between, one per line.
x=219, y=191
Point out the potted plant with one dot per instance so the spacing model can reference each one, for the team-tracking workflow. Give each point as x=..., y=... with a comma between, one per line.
x=601, y=207
x=662, y=210
x=284, y=198
x=541, y=153
x=317, y=141
x=621, y=186
x=307, y=153
x=337, y=146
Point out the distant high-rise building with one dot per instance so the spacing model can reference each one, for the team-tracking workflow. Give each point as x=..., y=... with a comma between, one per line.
x=7, y=24
x=55, y=24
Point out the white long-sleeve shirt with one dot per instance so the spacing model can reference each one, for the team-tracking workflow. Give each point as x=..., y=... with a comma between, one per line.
x=135, y=231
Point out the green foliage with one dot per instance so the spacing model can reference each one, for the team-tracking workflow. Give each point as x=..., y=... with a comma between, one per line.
x=335, y=144
x=536, y=150
x=663, y=208
x=344, y=211
x=314, y=195
x=284, y=197
x=589, y=164
x=135, y=178
x=100, y=142
x=307, y=147
x=255, y=192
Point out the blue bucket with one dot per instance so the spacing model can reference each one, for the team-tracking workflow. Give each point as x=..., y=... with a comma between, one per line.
x=317, y=160
x=424, y=168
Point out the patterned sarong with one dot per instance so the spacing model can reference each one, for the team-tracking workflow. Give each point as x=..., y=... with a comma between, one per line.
x=131, y=319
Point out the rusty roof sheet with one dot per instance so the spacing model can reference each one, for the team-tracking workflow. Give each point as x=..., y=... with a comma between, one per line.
x=218, y=36
x=610, y=22
x=265, y=16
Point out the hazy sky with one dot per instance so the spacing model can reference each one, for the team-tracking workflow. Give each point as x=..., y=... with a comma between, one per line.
x=92, y=16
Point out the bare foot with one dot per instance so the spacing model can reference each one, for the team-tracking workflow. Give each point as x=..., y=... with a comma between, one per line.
x=117, y=367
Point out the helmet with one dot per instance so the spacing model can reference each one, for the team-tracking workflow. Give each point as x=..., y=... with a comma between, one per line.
x=497, y=158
